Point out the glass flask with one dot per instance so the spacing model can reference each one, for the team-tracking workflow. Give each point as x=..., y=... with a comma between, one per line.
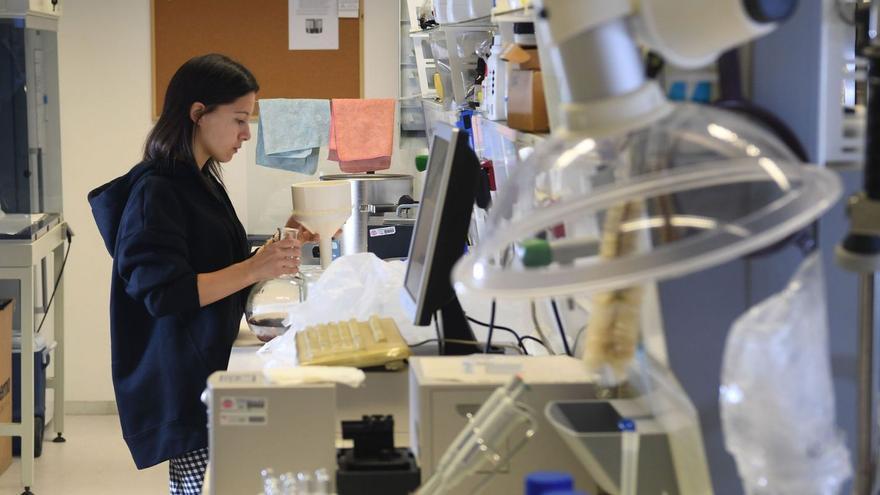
x=270, y=301
x=309, y=275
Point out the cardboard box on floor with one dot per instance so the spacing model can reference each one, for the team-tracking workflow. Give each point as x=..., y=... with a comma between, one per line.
x=522, y=57
x=526, y=107
x=6, y=307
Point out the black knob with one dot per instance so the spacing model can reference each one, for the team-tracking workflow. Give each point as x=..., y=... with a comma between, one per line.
x=523, y=28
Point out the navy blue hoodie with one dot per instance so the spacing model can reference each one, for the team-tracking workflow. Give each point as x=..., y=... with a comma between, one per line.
x=164, y=223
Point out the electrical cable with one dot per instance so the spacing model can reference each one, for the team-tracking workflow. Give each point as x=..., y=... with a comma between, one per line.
x=470, y=342
x=419, y=344
x=491, y=329
x=69, y=235
x=540, y=331
x=529, y=337
x=577, y=338
x=441, y=345
x=519, y=339
x=499, y=327
x=561, y=327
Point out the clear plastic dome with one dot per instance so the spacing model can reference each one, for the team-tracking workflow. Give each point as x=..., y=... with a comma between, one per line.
x=697, y=188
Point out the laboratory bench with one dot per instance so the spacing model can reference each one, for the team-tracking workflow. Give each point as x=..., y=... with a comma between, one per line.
x=383, y=392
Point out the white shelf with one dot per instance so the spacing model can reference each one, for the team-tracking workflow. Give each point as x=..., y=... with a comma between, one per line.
x=494, y=140
x=413, y=62
x=526, y=14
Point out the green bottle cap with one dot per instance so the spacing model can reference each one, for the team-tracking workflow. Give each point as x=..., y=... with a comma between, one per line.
x=422, y=163
x=534, y=253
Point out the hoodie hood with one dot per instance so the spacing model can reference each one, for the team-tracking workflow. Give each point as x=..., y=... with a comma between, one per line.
x=108, y=202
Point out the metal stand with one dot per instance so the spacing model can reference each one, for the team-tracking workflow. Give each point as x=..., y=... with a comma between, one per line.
x=865, y=474
x=18, y=261
x=860, y=253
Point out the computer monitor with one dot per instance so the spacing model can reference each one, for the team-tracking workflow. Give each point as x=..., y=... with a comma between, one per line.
x=440, y=238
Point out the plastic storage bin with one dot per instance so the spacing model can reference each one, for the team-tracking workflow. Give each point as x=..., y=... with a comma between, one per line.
x=41, y=362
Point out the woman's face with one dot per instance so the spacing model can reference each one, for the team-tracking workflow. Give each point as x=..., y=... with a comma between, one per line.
x=219, y=134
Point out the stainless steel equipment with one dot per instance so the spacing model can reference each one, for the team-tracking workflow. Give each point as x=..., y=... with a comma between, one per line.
x=372, y=195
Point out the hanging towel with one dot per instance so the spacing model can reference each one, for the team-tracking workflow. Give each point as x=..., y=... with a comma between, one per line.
x=291, y=133
x=301, y=161
x=362, y=134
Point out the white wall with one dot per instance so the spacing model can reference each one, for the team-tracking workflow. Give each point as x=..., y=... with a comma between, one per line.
x=105, y=73
x=266, y=202
x=105, y=78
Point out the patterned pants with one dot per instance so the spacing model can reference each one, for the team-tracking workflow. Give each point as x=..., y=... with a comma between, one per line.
x=187, y=473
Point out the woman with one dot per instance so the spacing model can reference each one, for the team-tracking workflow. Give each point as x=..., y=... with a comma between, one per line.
x=181, y=266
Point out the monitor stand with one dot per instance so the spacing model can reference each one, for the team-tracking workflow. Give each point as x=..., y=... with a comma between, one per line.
x=454, y=325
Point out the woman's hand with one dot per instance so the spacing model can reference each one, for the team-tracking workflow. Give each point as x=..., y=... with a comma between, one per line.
x=305, y=234
x=275, y=258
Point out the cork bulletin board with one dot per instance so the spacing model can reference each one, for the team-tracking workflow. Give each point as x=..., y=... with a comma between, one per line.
x=255, y=34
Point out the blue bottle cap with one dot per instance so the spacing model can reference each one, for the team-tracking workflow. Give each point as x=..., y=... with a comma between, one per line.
x=677, y=91
x=542, y=482
x=626, y=424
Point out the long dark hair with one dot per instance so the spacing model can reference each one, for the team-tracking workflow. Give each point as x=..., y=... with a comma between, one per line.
x=211, y=79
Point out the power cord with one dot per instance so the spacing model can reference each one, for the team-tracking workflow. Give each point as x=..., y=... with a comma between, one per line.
x=538, y=328
x=441, y=345
x=497, y=327
x=492, y=330
x=513, y=332
x=561, y=327
x=426, y=341
x=506, y=329
x=520, y=347
x=529, y=337
x=69, y=234
x=578, y=337
x=468, y=342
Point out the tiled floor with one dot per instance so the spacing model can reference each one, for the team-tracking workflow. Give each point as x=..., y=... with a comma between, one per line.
x=94, y=460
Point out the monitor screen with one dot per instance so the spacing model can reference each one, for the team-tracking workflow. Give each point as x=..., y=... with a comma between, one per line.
x=439, y=239
x=427, y=221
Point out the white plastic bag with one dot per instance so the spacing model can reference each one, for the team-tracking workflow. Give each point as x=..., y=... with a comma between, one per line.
x=777, y=397
x=354, y=286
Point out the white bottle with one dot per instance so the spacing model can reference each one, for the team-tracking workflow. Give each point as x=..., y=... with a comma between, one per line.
x=494, y=104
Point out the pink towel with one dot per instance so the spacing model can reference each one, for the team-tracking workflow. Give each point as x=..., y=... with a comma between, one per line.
x=361, y=134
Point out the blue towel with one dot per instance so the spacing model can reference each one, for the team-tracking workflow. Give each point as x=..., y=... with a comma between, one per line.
x=301, y=161
x=291, y=132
